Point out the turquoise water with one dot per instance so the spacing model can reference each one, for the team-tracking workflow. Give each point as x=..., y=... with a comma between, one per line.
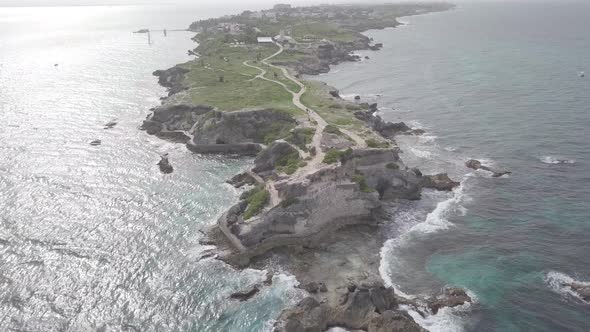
x=497, y=82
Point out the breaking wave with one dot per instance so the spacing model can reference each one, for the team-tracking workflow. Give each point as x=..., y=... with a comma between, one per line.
x=556, y=160
x=560, y=283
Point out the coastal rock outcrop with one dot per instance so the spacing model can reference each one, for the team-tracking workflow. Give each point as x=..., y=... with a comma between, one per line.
x=451, y=297
x=169, y=118
x=275, y=154
x=246, y=126
x=476, y=164
x=371, y=308
x=164, y=165
x=172, y=79
x=385, y=128
x=582, y=290
x=440, y=182
x=245, y=295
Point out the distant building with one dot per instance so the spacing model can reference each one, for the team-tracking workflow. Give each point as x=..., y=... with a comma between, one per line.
x=282, y=7
x=264, y=40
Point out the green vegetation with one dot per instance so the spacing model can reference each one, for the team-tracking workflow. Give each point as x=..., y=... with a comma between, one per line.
x=362, y=182
x=276, y=131
x=257, y=198
x=322, y=30
x=373, y=143
x=290, y=163
x=392, y=166
x=332, y=156
x=301, y=137
x=331, y=129
x=288, y=202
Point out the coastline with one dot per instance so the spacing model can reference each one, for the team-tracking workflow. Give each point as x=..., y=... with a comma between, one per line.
x=347, y=291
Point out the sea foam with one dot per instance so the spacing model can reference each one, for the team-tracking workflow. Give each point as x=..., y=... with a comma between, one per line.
x=556, y=160
x=558, y=282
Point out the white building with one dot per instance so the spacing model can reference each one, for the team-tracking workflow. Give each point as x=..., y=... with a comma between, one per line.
x=264, y=40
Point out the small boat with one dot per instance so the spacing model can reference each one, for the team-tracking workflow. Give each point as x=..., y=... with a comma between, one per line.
x=582, y=74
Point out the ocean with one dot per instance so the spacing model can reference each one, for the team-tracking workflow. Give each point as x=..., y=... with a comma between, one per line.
x=95, y=238
x=498, y=82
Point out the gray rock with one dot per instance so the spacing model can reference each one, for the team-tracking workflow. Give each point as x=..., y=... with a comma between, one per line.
x=476, y=164
x=165, y=166
x=451, y=297
x=241, y=180
x=440, y=182
x=267, y=159
x=245, y=295
x=172, y=79
x=583, y=290
x=247, y=126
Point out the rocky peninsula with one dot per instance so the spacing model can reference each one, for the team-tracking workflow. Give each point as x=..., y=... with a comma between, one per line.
x=324, y=169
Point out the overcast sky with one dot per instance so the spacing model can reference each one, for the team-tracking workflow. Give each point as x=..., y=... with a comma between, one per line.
x=207, y=3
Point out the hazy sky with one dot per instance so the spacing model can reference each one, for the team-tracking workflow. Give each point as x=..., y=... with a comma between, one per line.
x=192, y=2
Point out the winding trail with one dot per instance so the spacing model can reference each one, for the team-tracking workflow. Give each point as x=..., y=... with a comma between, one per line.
x=320, y=124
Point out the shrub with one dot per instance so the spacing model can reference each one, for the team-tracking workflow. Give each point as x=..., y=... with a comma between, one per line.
x=301, y=137
x=372, y=143
x=257, y=199
x=362, y=182
x=290, y=163
x=392, y=166
x=288, y=202
x=332, y=156
x=331, y=129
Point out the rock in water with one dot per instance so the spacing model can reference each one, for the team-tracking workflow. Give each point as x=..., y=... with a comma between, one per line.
x=476, y=164
x=440, y=182
x=245, y=295
x=582, y=290
x=451, y=297
x=110, y=124
x=165, y=166
x=96, y=142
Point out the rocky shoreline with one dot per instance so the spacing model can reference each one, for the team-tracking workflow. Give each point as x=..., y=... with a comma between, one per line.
x=315, y=209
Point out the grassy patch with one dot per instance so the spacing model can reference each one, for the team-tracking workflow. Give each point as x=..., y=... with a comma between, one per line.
x=373, y=143
x=331, y=129
x=392, y=166
x=301, y=137
x=362, y=182
x=333, y=156
x=290, y=163
x=257, y=198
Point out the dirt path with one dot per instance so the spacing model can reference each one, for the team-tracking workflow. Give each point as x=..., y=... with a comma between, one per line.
x=319, y=122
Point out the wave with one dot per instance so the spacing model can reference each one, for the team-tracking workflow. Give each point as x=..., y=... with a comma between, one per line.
x=421, y=153
x=446, y=319
x=556, y=160
x=561, y=284
x=435, y=221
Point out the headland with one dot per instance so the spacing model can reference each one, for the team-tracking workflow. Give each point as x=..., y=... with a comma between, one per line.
x=324, y=169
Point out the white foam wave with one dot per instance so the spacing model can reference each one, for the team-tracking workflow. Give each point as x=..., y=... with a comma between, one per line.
x=427, y=139
x=446, y=319
x=435, y=221
x=556, y=160
x=421, y=153
x=417, y=124
x=560, y=283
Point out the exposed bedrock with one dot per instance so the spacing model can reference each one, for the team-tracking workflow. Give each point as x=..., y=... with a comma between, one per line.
x=385, y=128
x=371, y=308
x=324, y=201
x=172, y=79
x=267, y=160
x=451, y=297
x=246, y=126
x=582, y=290
x=440, y=182
x=476, y=164
x=171, y=118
